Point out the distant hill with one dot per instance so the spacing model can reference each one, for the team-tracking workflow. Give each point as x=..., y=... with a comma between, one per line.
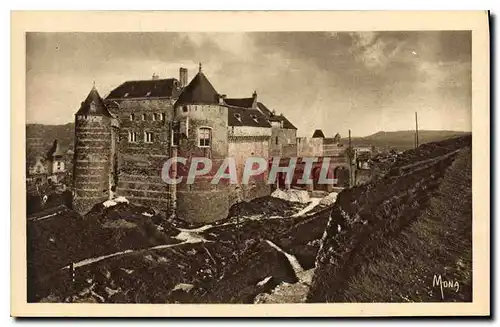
x=42, y=136
x=403, y=140
x=39, y=138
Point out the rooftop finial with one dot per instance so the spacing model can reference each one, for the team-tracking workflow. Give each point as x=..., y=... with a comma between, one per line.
x=93, y=84
x=200, y=68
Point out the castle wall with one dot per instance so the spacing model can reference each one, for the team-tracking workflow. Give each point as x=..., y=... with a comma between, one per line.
x=140, y=163
x=203, y=201
x=283, y=142
x=91, y=161
x=331, y=148
x=309, y=147
x=242, y=147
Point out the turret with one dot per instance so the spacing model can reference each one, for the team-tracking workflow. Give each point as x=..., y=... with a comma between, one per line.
x=203, y=120
x=92, y=157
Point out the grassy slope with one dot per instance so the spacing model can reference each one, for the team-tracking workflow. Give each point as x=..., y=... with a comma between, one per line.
x=396, y=234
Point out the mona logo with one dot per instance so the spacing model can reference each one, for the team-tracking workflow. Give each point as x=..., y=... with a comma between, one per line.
x=437, y=281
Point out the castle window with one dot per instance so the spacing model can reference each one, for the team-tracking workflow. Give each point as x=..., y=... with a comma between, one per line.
x=132, y=117
x=162, y=116
x=276, y=140
x=185, y=109
x=154, y=117
x=143, y=116
x=132, y=137
x=204, y=136
x=148, y=137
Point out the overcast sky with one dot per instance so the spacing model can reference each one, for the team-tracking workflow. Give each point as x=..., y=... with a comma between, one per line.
x=364, y=81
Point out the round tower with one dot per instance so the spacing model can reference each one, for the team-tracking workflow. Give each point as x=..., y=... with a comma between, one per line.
x=92, y=157
x=203, y=122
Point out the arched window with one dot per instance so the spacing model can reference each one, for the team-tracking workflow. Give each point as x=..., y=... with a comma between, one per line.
x=204, y=137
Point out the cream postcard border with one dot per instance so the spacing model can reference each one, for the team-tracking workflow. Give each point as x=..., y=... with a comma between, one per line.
x=218, y=21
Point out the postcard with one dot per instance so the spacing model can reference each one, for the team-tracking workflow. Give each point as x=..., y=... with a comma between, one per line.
x=231, y=164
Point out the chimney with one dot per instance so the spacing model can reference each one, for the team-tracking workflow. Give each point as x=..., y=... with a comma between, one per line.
x=155, y=77
x=254, y=98
x=183, y=76
x=222, y=97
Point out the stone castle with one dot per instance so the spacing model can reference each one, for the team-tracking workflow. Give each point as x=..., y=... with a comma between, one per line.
x=123, y=140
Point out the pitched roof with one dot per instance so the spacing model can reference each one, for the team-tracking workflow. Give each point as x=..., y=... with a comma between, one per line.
x=241, y=102
x=238, y=116
x=154, y=88
x=277, y=118
x=198, y=91
x=247, y=103
x=318, y=134
x=93, y=105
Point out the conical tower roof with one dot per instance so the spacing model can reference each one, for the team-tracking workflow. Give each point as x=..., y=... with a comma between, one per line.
x=198, y=91
x=318, y=134
x=93, y=105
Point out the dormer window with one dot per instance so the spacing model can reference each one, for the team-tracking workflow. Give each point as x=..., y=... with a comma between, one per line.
x=238, y=117
x=148, y=94
x=125, y=95
x=255, y=119
x=92, y=107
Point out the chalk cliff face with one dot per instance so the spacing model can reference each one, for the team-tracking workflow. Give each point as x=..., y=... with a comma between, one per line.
x=387, y=240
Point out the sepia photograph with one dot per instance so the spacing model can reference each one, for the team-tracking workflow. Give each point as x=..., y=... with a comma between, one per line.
x=257, y=167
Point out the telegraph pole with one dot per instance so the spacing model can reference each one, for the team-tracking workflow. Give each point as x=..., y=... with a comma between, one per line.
x=350, y=160
x=416, y=130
